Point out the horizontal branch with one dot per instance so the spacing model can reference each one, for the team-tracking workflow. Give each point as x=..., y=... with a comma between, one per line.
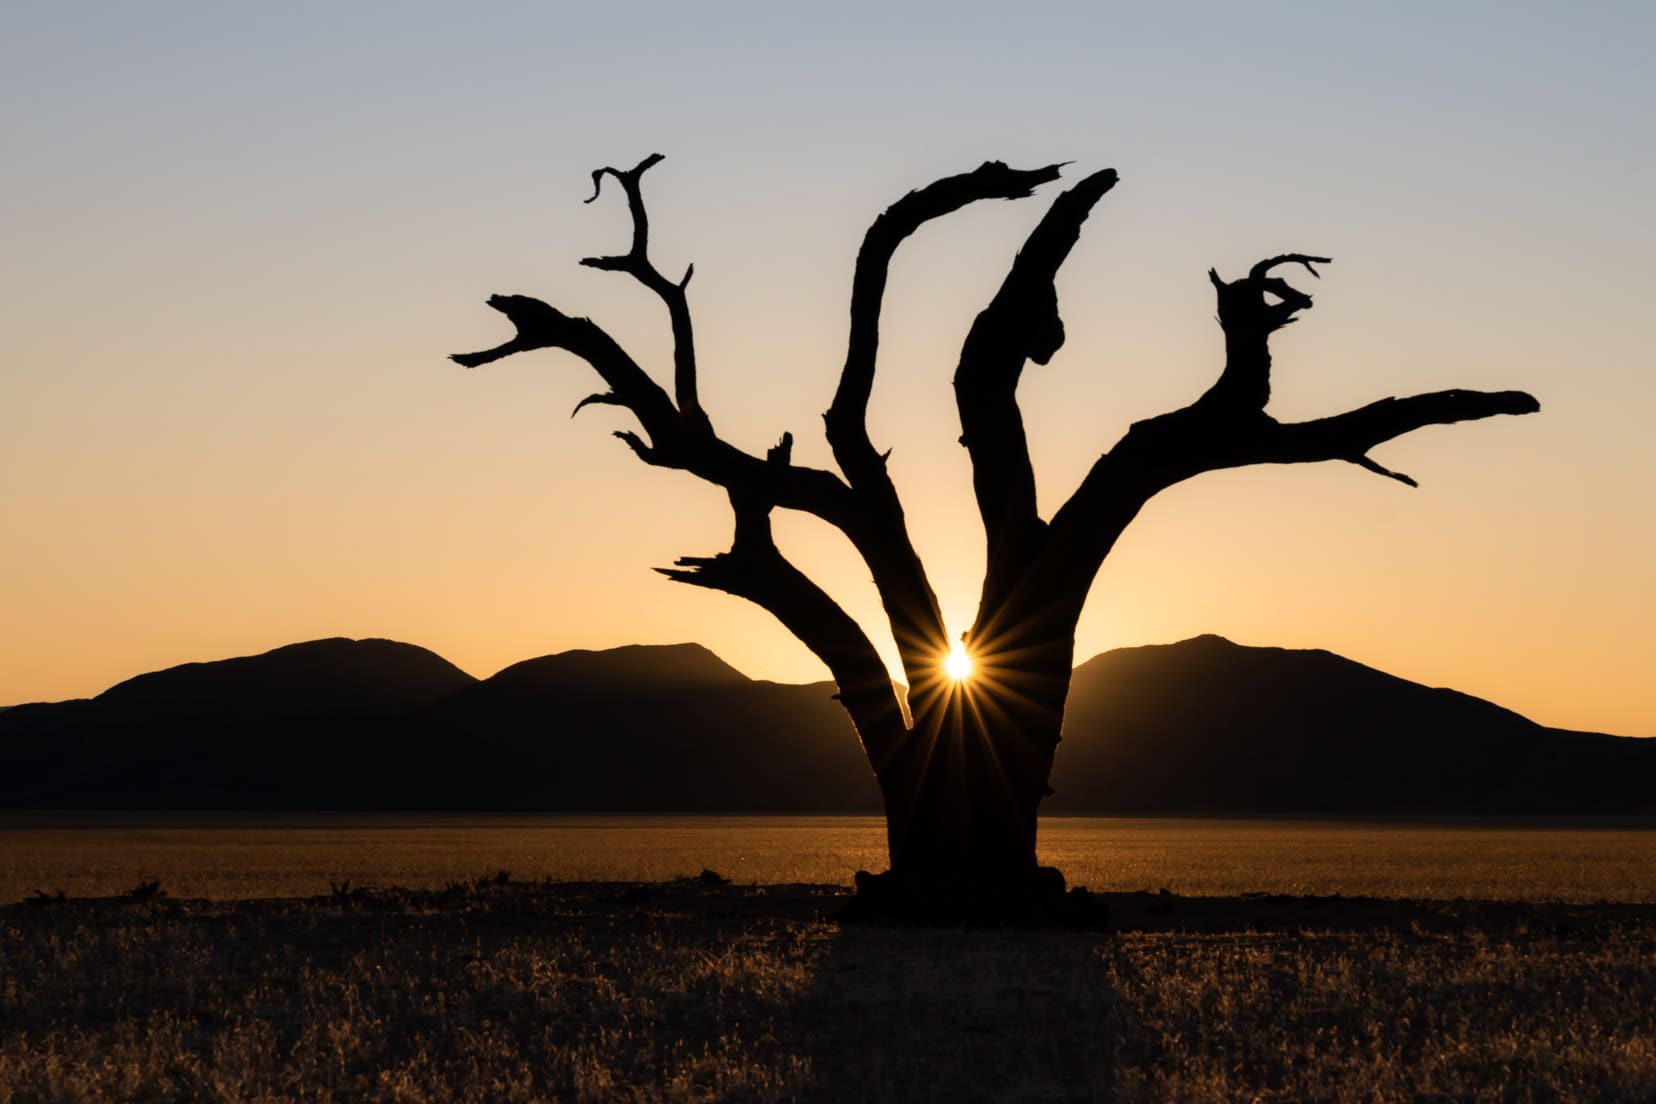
x=540, y=326
x=1157, y=453
x=1349, y=436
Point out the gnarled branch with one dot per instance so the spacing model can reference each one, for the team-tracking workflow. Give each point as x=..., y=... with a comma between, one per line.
x=540, y=326
x=1228, y=428
x=636, y=263
x=1249, y=318
x=756, y=570
x=1159, y=452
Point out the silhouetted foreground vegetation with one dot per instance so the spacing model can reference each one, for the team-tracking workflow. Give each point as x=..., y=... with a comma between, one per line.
x=699, y=990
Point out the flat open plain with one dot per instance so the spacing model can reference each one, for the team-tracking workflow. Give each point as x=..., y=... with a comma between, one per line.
x=237, y=856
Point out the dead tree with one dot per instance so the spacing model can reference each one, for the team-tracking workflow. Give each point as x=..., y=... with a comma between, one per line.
x=964, y=770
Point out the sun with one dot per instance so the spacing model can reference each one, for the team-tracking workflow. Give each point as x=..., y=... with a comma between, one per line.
x=958, y=665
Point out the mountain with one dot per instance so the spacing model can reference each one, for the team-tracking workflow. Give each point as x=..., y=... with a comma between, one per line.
x=640, y=728
x=652, y=668
x=320, y=676
x=1204, y=725
x=296, y=726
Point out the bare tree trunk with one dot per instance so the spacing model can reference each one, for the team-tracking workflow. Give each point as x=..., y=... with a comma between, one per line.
x=963, y=791
x=962, y=796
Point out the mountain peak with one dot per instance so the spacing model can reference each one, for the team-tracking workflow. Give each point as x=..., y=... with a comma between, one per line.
x=660, y=666
x=334, y=672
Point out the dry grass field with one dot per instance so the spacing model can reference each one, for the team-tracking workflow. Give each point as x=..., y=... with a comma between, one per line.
x=692, y=991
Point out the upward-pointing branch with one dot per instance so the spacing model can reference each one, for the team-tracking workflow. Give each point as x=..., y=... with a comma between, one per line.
x=636, y=263
x=905, y=592
x=847, y=418
x=1021, y=323
x=1249, y=319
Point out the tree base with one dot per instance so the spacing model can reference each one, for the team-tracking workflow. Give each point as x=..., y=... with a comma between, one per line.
x=1036, y=901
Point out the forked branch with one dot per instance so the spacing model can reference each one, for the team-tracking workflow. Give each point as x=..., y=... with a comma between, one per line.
x=540, y=326
x=1249, y=316
x=636, y=263
x=671, y=443
x=1212, y=434
x=756, y=570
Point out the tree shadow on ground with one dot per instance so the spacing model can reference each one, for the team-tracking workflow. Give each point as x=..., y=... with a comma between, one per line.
x=1202, y=998
x=927, y=1014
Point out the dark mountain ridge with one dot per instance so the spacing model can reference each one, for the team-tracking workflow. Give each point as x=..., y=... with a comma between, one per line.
x=1204, y=725
x=665, y=727
x=297, y=726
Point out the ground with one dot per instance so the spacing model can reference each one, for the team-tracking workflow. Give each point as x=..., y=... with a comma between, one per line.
x=697, y=990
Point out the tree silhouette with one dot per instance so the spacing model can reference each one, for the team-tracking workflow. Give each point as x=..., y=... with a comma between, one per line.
x=964, y=768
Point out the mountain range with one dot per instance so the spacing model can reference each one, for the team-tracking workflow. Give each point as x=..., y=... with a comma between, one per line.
x=1201, y=726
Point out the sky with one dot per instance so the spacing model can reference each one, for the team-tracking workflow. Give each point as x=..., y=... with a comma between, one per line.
x=237, y=243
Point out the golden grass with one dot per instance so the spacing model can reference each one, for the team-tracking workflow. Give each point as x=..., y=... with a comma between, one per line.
x=690, y=993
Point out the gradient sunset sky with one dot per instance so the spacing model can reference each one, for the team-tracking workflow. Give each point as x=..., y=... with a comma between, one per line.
x=237, y=243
